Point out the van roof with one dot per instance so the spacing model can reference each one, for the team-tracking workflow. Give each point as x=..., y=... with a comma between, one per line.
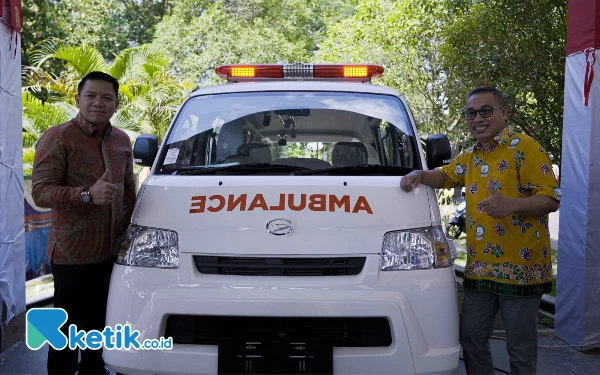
x=296, y=85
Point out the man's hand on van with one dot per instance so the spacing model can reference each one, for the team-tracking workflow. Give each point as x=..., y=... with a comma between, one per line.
x=410, y=181
x=431, y=178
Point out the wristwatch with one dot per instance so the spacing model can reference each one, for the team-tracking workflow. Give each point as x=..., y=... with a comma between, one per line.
x=85, y=195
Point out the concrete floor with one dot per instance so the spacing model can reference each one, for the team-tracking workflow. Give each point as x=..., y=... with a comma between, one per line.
x=554, y=357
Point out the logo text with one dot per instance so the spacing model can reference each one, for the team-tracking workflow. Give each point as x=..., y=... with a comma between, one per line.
x=293, y=202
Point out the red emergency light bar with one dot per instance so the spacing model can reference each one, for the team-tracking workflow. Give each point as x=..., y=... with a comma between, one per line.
x=342, y=72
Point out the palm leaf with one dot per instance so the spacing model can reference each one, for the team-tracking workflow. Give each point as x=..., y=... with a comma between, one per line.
x=37, y=80
x=28, y=158
x=28, y=155
x=138, y=61
x=149, y=94
x=28, y=125
x=29, y=139
x=39, y=116
x=83, y=59
x=68, y=108
x=129, y=125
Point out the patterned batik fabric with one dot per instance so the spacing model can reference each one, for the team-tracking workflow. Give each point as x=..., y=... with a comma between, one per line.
x=509, y=256
x=72, y=156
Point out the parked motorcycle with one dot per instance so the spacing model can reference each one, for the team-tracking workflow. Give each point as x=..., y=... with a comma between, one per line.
x=457, y=225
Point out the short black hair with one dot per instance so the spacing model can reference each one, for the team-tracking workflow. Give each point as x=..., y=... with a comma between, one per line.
x=483, y=89
x=98, y=76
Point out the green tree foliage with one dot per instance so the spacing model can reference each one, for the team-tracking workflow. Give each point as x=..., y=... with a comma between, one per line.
x=98, y=23
x=297, y=150
x=141, y=17
x=109, y=26
x=433, y=51
x=313, y=150
x=405, y=37
x=517, y=46
x=149, y=93
x=234, y=31
x=39, y=116
x=40, y=22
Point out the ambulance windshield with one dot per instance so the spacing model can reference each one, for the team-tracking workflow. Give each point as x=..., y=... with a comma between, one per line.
x=300, y=130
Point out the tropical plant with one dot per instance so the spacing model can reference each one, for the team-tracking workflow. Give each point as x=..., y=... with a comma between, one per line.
x=403, y=36
x=39, y=116
x=201, y=37
x=28, y=156
x=517, y=46
x=149, y=93
x=445, y=196
x=434, y=52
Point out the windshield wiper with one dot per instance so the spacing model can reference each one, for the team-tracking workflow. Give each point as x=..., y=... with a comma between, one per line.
x=360, y=170
x=248, y=168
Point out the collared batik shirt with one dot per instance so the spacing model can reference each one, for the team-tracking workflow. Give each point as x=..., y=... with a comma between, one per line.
x=509, y=256
x=69, y=157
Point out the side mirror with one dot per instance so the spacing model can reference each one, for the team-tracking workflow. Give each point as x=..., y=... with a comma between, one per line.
x=438, y=151
x=145, y=149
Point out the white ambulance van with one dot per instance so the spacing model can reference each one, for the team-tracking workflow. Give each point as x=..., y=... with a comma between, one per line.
x=272, y=236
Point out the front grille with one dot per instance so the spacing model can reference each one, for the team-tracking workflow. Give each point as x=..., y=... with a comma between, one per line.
x=214, y=265
x=341, y=332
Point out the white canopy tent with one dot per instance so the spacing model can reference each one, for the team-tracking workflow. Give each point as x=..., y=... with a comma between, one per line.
x=578, y=284
x=12, y=238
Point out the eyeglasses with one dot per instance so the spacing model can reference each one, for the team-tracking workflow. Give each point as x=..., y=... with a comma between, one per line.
x=484, y=112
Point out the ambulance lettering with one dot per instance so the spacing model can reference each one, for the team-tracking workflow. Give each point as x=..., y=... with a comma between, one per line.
x=294, y=202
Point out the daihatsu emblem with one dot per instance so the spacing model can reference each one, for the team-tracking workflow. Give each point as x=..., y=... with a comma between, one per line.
x=280, y=227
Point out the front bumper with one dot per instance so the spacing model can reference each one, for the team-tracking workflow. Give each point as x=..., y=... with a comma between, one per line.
x=421, y=307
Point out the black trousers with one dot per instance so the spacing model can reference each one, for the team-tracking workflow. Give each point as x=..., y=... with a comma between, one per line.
x=520, y=317
x=82, y=291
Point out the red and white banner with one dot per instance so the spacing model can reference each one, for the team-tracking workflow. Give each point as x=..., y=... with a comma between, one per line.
x=582, y=28
x=577, y=305
x=11, y=14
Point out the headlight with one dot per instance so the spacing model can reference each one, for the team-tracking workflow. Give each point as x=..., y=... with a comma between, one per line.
x=416, y=249
x=149, y=247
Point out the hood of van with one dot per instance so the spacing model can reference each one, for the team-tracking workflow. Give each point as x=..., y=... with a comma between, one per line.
x=291, y=215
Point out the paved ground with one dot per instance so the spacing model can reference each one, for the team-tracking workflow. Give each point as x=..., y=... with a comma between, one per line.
x=555, y=356
x=553, y=224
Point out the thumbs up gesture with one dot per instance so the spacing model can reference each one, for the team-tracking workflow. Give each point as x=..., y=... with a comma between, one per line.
x=497, y=205
x=103, y=192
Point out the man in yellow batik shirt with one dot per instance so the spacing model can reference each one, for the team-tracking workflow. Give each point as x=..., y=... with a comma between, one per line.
x=510, y=190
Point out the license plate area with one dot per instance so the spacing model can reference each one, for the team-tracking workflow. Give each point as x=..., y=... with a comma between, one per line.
x=275, y=357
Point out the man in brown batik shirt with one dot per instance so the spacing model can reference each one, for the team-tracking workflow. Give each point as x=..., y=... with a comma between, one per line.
x=83, y=171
